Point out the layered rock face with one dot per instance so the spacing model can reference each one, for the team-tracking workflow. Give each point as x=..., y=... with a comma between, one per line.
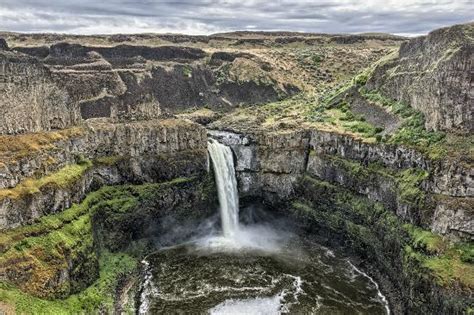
x=101, y=154
x=433, y=74
x=58, y=203
x=267, y=165
x=31, y=100
x=60, y=256
x=126, y=82
x=401, y=178
x=432, y=194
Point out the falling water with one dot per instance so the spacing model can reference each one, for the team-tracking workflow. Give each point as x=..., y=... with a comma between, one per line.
x=227, y=193
x=252, y=268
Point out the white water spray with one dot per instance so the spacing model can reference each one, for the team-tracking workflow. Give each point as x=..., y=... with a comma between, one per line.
x=235, y=237
x=223, y=164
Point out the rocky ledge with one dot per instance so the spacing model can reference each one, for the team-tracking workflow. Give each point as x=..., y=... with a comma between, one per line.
x=59, y=169
x=428, y=193
x=433, y=74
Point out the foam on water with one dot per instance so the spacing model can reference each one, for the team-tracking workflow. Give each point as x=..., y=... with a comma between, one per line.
x=261, y=305
x=255, y=306
x=253, y=237
x=148, y=289
x=379, y=293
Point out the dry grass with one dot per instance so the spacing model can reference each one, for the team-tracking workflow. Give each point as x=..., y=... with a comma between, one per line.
x=15, y=147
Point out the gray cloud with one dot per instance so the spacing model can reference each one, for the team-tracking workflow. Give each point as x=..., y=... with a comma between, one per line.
x=407, y=17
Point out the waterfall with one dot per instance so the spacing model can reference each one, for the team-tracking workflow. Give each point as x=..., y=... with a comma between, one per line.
x=226, y=183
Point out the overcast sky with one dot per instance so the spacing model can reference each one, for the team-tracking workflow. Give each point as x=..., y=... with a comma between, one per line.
x=211, y=16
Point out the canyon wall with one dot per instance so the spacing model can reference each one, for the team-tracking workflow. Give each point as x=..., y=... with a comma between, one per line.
x=433, y=74
x=31, y=100
x=75, y=196
x=59, y=86
x=433, y=194
x=52, y=178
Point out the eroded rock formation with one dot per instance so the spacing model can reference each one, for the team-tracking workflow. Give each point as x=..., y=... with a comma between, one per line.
x=63, y=84
x=433, y=74
x=31, y=101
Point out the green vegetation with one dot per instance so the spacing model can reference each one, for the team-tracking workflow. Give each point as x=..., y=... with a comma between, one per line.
x=63, y=178
x=42, y=252
x=310, y=59
x=425, y=240
x=449, y=263
x=108, y=160
x=407, y=183
x=412, y=131
x=334, y=110
x=99, y=295
x=402, y=251
x=187, y=71
x=13, y=148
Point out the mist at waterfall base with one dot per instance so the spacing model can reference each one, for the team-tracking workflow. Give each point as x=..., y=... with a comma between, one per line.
x=249, y=261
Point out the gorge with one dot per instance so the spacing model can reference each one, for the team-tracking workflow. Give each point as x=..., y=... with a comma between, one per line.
x=250, y=268
x=241, y=172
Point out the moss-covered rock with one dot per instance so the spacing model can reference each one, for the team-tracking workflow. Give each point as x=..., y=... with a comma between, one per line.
x=82, y=250
x=429, y=274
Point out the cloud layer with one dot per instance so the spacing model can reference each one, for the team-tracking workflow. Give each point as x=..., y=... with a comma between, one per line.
x=210, y=16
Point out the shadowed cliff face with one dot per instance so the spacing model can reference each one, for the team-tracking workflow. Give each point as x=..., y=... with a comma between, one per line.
x=3, y=44
x=30, y=100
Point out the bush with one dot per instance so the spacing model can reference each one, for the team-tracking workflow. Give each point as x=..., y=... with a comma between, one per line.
x=361, y=79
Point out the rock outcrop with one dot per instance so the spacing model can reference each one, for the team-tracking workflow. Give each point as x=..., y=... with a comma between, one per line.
x=67, y=83
x=268, y=165
x=30, y=100
x=102, y=154
x=433, y=74
x=3, y=44
x=428, y=193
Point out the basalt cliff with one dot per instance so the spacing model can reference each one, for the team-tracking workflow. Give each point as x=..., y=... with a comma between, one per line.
x=365, y=140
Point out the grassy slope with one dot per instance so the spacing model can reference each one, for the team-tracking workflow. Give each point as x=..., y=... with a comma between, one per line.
x=46, y=246
x=99, y=295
